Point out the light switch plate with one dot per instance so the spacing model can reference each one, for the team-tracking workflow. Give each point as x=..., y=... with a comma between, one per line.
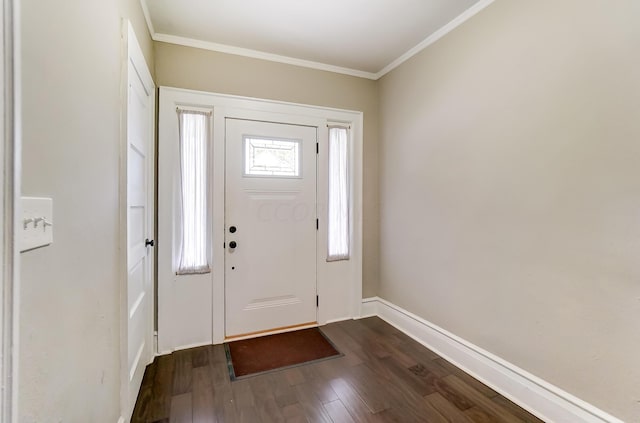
x=37, y=223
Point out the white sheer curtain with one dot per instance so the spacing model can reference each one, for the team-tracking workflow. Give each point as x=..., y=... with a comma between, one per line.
x=338, y=216
x=194, y=137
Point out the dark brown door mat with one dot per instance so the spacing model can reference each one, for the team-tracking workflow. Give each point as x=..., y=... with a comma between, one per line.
x=250, y=357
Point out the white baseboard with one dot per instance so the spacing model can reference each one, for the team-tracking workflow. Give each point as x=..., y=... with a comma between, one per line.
x=535, y=395
x=370, y=307
x=340, y=319
x=182, y=347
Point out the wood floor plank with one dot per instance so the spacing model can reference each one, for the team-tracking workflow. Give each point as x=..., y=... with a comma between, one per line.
x=266, y=407
x=478, y=415
x=365, y=338
x=431, y=367
x=516, y=410
x=182, y=373
x=294, y=413
x=294, y=376
x=142, y=408
x=318, y=383
x=370, y=387
x=400, y=375
x=202, y=396
x=405, y=392
x=395, y=341
x=242, y=394
x=338, y=412
x=480, y=400
x=248, y=415
x=162, y=388
x=353, y=403
x=224, y=406
x=218, y=366
x=447, y=409
x=200, y=356
x=269, y=412
x=466, y=378
x=311, y=404
x=283, y=393
x=339, y=337
x=181, y=409
x=412, y=415
x=344, y=343
x=452, y=395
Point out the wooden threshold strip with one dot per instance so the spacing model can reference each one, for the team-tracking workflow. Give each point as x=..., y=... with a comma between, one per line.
x=270, y=331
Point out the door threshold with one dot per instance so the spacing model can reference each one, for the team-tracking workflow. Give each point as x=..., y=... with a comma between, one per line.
x=270, y=331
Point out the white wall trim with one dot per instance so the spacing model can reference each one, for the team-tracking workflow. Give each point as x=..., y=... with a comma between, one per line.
x=459, y=20
x=147, y=17
x=10, y=169
x=238, y=51
x=340, y=319
x=537, y=396
x=369, y=307
x=182, y=347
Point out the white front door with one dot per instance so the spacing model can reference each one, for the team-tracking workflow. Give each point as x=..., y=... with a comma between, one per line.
x=139, y=209
x=270, y=226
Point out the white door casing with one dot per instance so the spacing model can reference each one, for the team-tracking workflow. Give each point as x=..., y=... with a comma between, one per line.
x=270, y=274
x=191, y=312
x=9, y=210
x=138, y=200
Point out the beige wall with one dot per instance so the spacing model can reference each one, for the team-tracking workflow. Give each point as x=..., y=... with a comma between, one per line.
x=196, y=69
x=510, y=153
x=69, y=317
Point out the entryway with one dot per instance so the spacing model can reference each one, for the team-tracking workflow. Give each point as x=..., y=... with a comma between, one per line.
x=243, y=221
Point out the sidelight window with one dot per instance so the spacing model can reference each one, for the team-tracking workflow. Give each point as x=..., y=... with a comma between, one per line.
x=194, y=139
x=338, y=206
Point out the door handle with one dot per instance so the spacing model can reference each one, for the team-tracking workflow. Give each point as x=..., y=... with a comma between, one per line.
x=233, y=244
x=149, y=242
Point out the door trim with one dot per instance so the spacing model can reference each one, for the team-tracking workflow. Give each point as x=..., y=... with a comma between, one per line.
x=10, y=168
x=348, y=296
x=131, y=52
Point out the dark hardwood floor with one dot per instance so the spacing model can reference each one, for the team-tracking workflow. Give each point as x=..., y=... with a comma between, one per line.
x=384, y=376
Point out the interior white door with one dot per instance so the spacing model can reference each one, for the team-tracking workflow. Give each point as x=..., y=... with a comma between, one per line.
x=270, y=226
x=139, y=206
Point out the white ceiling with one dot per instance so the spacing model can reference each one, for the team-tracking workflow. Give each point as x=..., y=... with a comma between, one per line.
x=360, y=37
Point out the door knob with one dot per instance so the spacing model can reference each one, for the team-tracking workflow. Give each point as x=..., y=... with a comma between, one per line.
x=149, y=242
x=233, y=244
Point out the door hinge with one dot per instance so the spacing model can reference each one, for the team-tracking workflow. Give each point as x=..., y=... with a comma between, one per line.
x=317, y=148
x=317, y=224
x=317, y=301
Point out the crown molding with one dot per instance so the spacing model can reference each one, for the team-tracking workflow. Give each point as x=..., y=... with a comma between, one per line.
x=147, y=17
x=456, y=22
x=255, y=54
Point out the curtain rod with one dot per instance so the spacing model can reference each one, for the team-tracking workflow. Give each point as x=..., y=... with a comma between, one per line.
x=339, y=125
x=206, y=111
